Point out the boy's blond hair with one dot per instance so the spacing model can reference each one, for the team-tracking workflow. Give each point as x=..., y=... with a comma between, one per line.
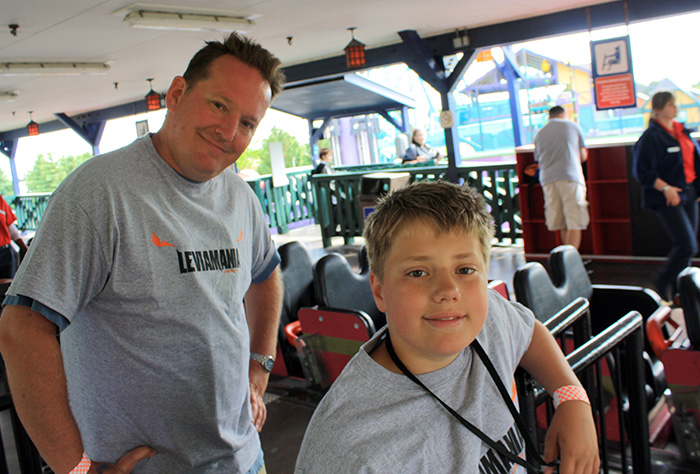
x=446, y=206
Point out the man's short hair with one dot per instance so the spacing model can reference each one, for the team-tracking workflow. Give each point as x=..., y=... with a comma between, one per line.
x=243, y=48
x=556, y=111
x=446, y=206
x=323, y=152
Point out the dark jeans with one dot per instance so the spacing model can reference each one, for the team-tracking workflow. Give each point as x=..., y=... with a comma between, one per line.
x=681, y=224
x=8, y=262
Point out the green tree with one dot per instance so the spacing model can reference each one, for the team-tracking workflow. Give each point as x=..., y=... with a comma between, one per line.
x=48, y=173
x=295, y=154
x=5, y=185
x=253, y=159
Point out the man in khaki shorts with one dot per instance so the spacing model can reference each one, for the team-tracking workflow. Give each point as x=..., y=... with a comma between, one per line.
x=560, y=150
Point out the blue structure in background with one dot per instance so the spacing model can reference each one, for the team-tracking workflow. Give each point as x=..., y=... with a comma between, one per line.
x=487, y=125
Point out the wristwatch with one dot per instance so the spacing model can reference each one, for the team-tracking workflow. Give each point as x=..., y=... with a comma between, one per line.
x=266, y=361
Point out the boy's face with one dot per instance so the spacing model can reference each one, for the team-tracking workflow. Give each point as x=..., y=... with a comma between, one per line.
x=434, y=294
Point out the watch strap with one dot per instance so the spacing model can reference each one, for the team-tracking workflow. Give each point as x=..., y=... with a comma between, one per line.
x=265, y=361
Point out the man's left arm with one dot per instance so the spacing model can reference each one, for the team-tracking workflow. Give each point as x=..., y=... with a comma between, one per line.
x=263, y=304
x=584, y=154
x=572, y=433
x=17, y=238
x=582, y=145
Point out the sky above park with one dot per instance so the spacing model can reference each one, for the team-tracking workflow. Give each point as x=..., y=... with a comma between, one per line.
x=661, y=49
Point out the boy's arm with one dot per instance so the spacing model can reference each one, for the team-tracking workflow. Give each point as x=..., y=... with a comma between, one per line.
x=572, y=432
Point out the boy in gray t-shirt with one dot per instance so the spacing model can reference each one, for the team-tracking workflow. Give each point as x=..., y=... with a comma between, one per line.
x=428, y=245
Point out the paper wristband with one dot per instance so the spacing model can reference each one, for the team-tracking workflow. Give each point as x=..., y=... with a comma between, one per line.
x=83, y=466
x=569, y=392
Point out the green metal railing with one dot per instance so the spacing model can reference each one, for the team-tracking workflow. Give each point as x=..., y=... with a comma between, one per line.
x=338, y=209
x=284, y=205
x=28, y=209
x=333, y=201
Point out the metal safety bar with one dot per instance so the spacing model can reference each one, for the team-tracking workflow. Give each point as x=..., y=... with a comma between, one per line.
x=621, y=344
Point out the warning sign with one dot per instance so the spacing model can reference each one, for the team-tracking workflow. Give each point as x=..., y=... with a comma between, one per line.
x=613, y=79
x=615, y=91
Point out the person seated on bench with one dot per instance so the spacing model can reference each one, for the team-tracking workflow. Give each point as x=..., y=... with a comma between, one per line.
x=419, y=151
x=428, y=246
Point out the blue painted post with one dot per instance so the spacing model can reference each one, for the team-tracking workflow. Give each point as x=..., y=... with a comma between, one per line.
x=513, y=92
x=348, y=143
x=313, y=140
x=405, y=120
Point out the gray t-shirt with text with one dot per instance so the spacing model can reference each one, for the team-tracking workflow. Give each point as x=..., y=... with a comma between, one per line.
x=149, y=271
x=375, y=421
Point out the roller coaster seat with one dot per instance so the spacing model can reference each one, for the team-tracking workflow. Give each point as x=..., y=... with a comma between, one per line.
x=337, y=285
x=688, y=284
x=329, y=333
x=546, y=295
x=297, y=276
x=673, y=335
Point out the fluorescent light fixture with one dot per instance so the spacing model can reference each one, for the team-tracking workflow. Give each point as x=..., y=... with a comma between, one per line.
x=187, y=21
x=7, y=96
x=51, y=68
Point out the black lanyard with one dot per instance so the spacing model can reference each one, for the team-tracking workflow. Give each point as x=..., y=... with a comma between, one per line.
x=499, y=448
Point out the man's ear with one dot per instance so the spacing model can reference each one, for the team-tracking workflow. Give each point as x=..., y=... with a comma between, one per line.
x=377, y=291
x=175, y=92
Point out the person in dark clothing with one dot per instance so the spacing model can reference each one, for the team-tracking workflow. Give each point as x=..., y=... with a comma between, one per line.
x=667, y=165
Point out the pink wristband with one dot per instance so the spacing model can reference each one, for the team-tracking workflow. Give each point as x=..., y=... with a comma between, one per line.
x=83, y=466
x=569, y=392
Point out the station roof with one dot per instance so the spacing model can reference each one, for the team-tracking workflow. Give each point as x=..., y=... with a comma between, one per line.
x=348, y=94
x=308, y=36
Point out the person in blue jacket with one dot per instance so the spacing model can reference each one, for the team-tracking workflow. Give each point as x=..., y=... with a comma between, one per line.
x=667, y=165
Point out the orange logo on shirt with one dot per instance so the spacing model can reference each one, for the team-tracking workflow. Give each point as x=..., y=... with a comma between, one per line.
x=160, y=243
x=226, y=260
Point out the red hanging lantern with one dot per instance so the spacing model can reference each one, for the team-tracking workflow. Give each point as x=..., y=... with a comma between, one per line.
x=354, y=52
x=32, y=126
x=153, y=100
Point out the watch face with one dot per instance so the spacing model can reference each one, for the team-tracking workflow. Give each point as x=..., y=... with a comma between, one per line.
x=268, y=364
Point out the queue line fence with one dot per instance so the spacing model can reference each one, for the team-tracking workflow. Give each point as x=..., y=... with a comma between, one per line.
x=333, y=201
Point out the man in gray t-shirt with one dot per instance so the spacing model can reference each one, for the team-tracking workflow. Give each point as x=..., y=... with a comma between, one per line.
x=143, y=261
x=560, y=150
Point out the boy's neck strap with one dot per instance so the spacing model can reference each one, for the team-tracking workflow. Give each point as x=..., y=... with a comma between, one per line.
x=498, y=447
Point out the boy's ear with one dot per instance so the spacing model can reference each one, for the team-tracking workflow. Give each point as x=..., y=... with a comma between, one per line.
x=377, y=291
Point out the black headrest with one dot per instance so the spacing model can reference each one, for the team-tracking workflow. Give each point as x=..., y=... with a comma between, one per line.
x=569, y=273
x=298, y=278
x=534, y=289
x=363, y=260
x=688, y=284
x=337, y=285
